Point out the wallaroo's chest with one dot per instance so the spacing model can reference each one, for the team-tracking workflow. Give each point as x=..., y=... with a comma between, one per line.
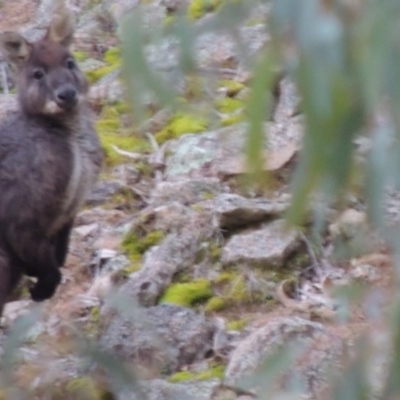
x=85, y=159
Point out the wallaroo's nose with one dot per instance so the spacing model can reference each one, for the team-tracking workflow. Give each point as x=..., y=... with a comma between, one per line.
x=66, y=96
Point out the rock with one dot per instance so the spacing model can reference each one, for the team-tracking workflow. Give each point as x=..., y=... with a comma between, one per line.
x=319, y=352
x=266, y=246
x=219, y=49
x=163, y=337
x=115, y=264
x=288, y=102
x=8, y=104
x=96, y=214
x=186, y=191
x=101, y=286
x=351, y=232
x=160, y=264
x=126, y=173
x=86, y=230
x=175, y=5
x=348, y=223
x=104, y=190
x=91, y=64
x=232, y=210
x=220, y=153
x=172, y=217
x=108, y=91
x=13, y=310
x=158, y=389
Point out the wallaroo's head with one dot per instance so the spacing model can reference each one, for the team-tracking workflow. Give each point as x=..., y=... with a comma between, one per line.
x=48, y=78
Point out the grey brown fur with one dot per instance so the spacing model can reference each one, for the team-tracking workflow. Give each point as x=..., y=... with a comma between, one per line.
x=50, y=157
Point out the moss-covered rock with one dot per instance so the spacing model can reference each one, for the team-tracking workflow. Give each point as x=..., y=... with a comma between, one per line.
x=181, y=376
x=236, y=325
x=214, y=372
x=97, y=74
x=199, y=8
x=85, y=388
x=80, y=55
x=187, y=294
x=135, y=246
x=180, y=124
x=112, y=55
x=232, y=87
x=233, y=288
x=215, y=304
x=113, y=58
x=228, y=105
x=233, y=119
x=112, y=133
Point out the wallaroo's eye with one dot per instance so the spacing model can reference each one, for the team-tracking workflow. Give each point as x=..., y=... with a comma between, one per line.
x=70, y=63
x=38, y=74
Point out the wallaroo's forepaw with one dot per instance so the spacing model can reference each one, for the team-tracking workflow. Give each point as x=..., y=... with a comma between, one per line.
x=45, y=287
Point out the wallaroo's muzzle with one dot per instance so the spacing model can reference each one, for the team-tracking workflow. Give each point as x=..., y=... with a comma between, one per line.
x=66, y=96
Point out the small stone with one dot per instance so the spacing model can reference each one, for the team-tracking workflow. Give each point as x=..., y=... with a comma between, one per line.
x=101, y=286
x=86, y=230
x=232, y=210
x=266, y=246
x=186, y=191
x=103, y=190
x=13, y=310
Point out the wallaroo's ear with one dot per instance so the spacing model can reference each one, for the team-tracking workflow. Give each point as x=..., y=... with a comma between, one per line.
x=14, y=48
x=62, y=27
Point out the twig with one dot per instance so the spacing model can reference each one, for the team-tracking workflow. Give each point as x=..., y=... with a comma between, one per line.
x=134, y=156
x=314, y=260
x=153, y=141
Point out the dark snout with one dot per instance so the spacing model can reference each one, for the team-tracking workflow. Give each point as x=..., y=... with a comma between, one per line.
x=66, y=96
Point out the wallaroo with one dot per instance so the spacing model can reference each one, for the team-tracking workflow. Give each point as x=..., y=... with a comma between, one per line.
x=50, y=157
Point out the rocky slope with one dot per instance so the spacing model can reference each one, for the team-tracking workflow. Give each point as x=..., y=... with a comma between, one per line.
x=181, y=281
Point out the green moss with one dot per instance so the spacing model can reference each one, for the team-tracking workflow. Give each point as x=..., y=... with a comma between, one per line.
x=235, y=290
x=95, y=314
x=187, y=294
x=225, y=277
x=135, y=247
x=228, y=105
x=107, y=126
x=95, y=75
x=179, y=125
x=111, y=134
x=110, y=113
x=208, y=195
x=79, y=55
x=214, y=372
x=181, y=376
x=215, y=304
x=150, y=240
x=232, y=87
x=237, y=325
x=113, y=56
x=122, y=107
x=198, y=8
x=233, y=119
x=134, y=266
x=83, y=388
x=215, y=251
